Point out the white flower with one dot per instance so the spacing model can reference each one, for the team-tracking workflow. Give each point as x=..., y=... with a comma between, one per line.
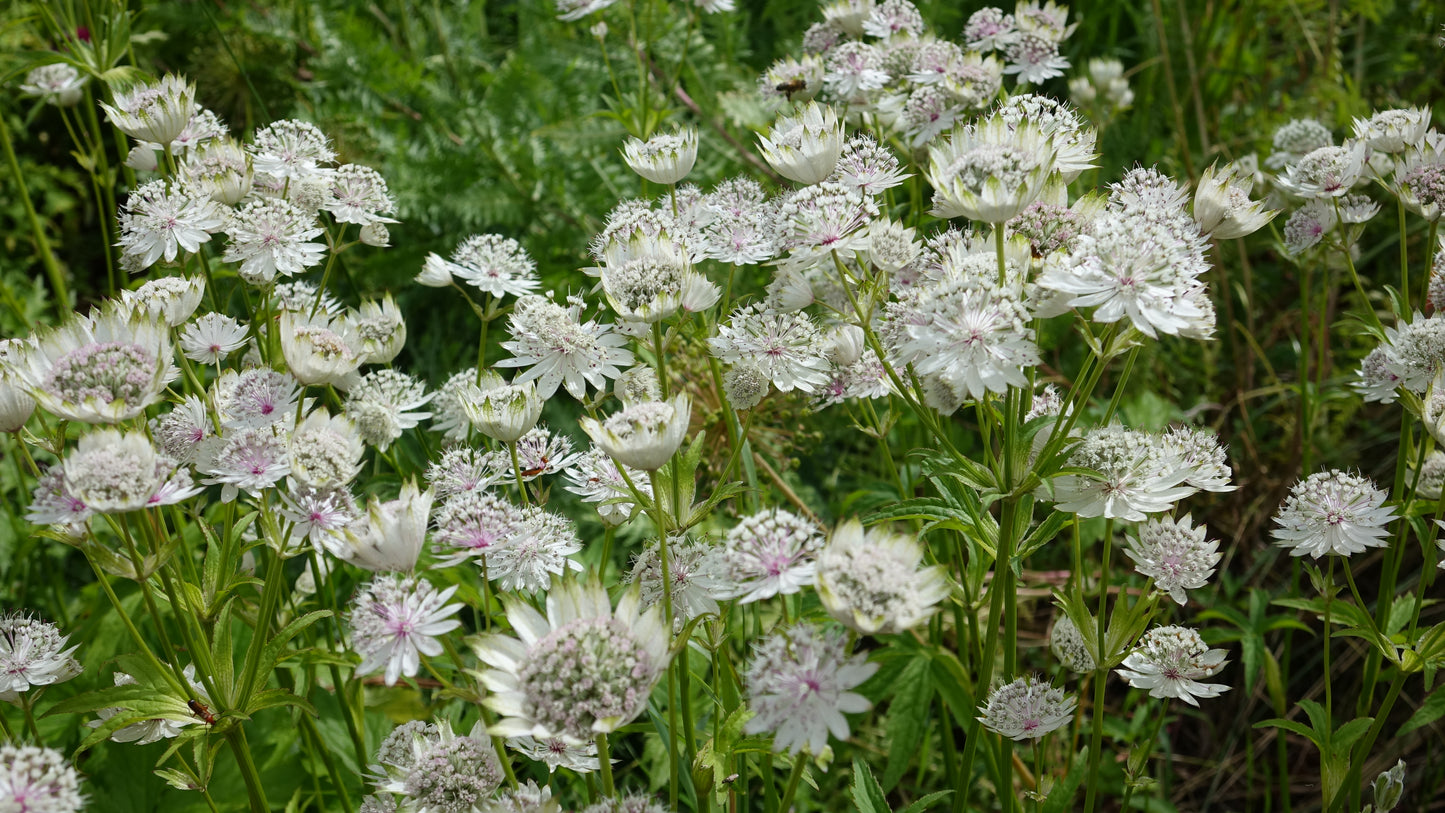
x=974, y=336
x=249, y=460
x=32, y=653
x=651, y=283
x=59, y=84
x=1170, y=661
x=595, y=479
x=696, y=574
x=391, y=536
x=320, y=350
x=558, y=753
x=537, y=550
x=1034, y=57
x=1134, y=476
x=989, y=29
x=1067, y=644
x=159, y=222
x=38, y=780
x=157, y=113
x=448, y=414
x=805, y=148
x=643, y=436
x=771, y=553
x=383, y=404
x=492, y=263
x=1071, y=138
x=787, y=347
x=381, y=328
x=171, y=299
x=291, y=149
x=255, y=397
x=989, y=171
x=103, y=368
x=358, y=195
x=799, y=688
x=16, y=405
x=582, y=669
x=220, y=169
x=1175, y=554
x=1333, y=512
x=325, y=451
x=318, y=516
x=1222, y=205
x=113, y=472
x=396, y=619
x=872, y=583
x=1027, y=709
x=665, y=158
x=561, y=349
x=1325, y=172
x=1394, y=131
x=212, y=337
x=270, y=236
x=853, y=70
x=502, y=411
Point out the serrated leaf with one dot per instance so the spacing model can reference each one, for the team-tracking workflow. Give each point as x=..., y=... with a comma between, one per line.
x=1062, y=794
x=1431, y=710
x=867, y=794
x=907, y=717
x=927, y=802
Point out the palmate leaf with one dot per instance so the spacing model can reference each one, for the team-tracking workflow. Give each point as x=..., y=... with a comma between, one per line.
x=908, y=716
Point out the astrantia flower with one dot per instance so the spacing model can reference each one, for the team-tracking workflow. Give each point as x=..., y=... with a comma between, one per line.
x=771, y=553
x=799, y=686
x=1222, y=205
x=392, y=534
x=787, y=347
x=1333, y=512
x=1295, y=139
x=665, y=158
x=894, y=18
x=1170, y=662
x=582, y=669
x=38, y=780
x=1068, y=645
x=246, y=460
x=1394, y=131
x=502, y=411
x=1307, y=226
x=255, y=397
x=320, y=350
x=627, y=803
x=291, y=149
x=1420, y=181
x=1200, y=452
x=460, y=470
x=473, y=524
x=1175, y=554
x=538, y=549
x=113, y=472
x=51, y=503
x=170, y=299
x=325, y=451
x=871, y=582
x=594, y=477
x=539, y=452
x=1026, y=709
x=437, y=771
x=220, y=169
x=697, y=578
x=577, y=9
x=381, y=329
x=1034, y=58
x=212, y=337
x=975, y=337
x=319, y=516
x=32, y=653
x=804, y=148
x=359, y=195
x=643, y=436
x=558, y=753
x=867, y=166
x=654, y=283
x=989, y=29
x=396, y=619
x=154, y=729
x=1134, y=476
x=59, y=84
x=384, y=403
x=104, y=368
x=158, y=222
x=852, y=70
x=1325, y=172
x=1071, y=138
x=561, y=350
x=157, y=113
x=989, y=171
x=269, y=236
x=449, y=415
x=494, y=264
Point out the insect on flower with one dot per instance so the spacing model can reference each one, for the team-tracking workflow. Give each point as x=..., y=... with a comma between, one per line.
x=792, y=86
x=202, y=711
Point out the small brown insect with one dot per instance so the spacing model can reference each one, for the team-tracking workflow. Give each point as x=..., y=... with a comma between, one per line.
x=792, y=86
x=536, y=471
x=202, y=711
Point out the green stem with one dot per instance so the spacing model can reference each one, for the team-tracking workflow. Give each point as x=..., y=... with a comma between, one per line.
x=1101, y=673
x=604, y=762
x=255, y=791
x=37, y=229
x=794, y=779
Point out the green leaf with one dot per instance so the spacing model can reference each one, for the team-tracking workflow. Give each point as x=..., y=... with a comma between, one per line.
x=1063, y=793
x=907, y=717
x=274, y=652
x=1345, y=736
x=926, y=802
x=1431, y=710
x=867, y=795
x=272, y=698
x=1290, y=725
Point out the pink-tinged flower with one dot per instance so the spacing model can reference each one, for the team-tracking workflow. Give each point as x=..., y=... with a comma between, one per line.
x=1027, y=709
x=799, y=688
x=1170, y=662
x=396, y=619
x=771, y=553
x=1333, y=512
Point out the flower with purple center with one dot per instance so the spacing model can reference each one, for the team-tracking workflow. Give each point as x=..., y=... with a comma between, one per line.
x=580, y=670
x=158, y=222
x=771, y=553
x=1026, y=709
x=799, y=686
x=1170, y=661
x=271, y=236
x=38, y=780
x=32, y=654
x=396, y=619
x=248, y=460
x=1333, y=512
x=1175, y=554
